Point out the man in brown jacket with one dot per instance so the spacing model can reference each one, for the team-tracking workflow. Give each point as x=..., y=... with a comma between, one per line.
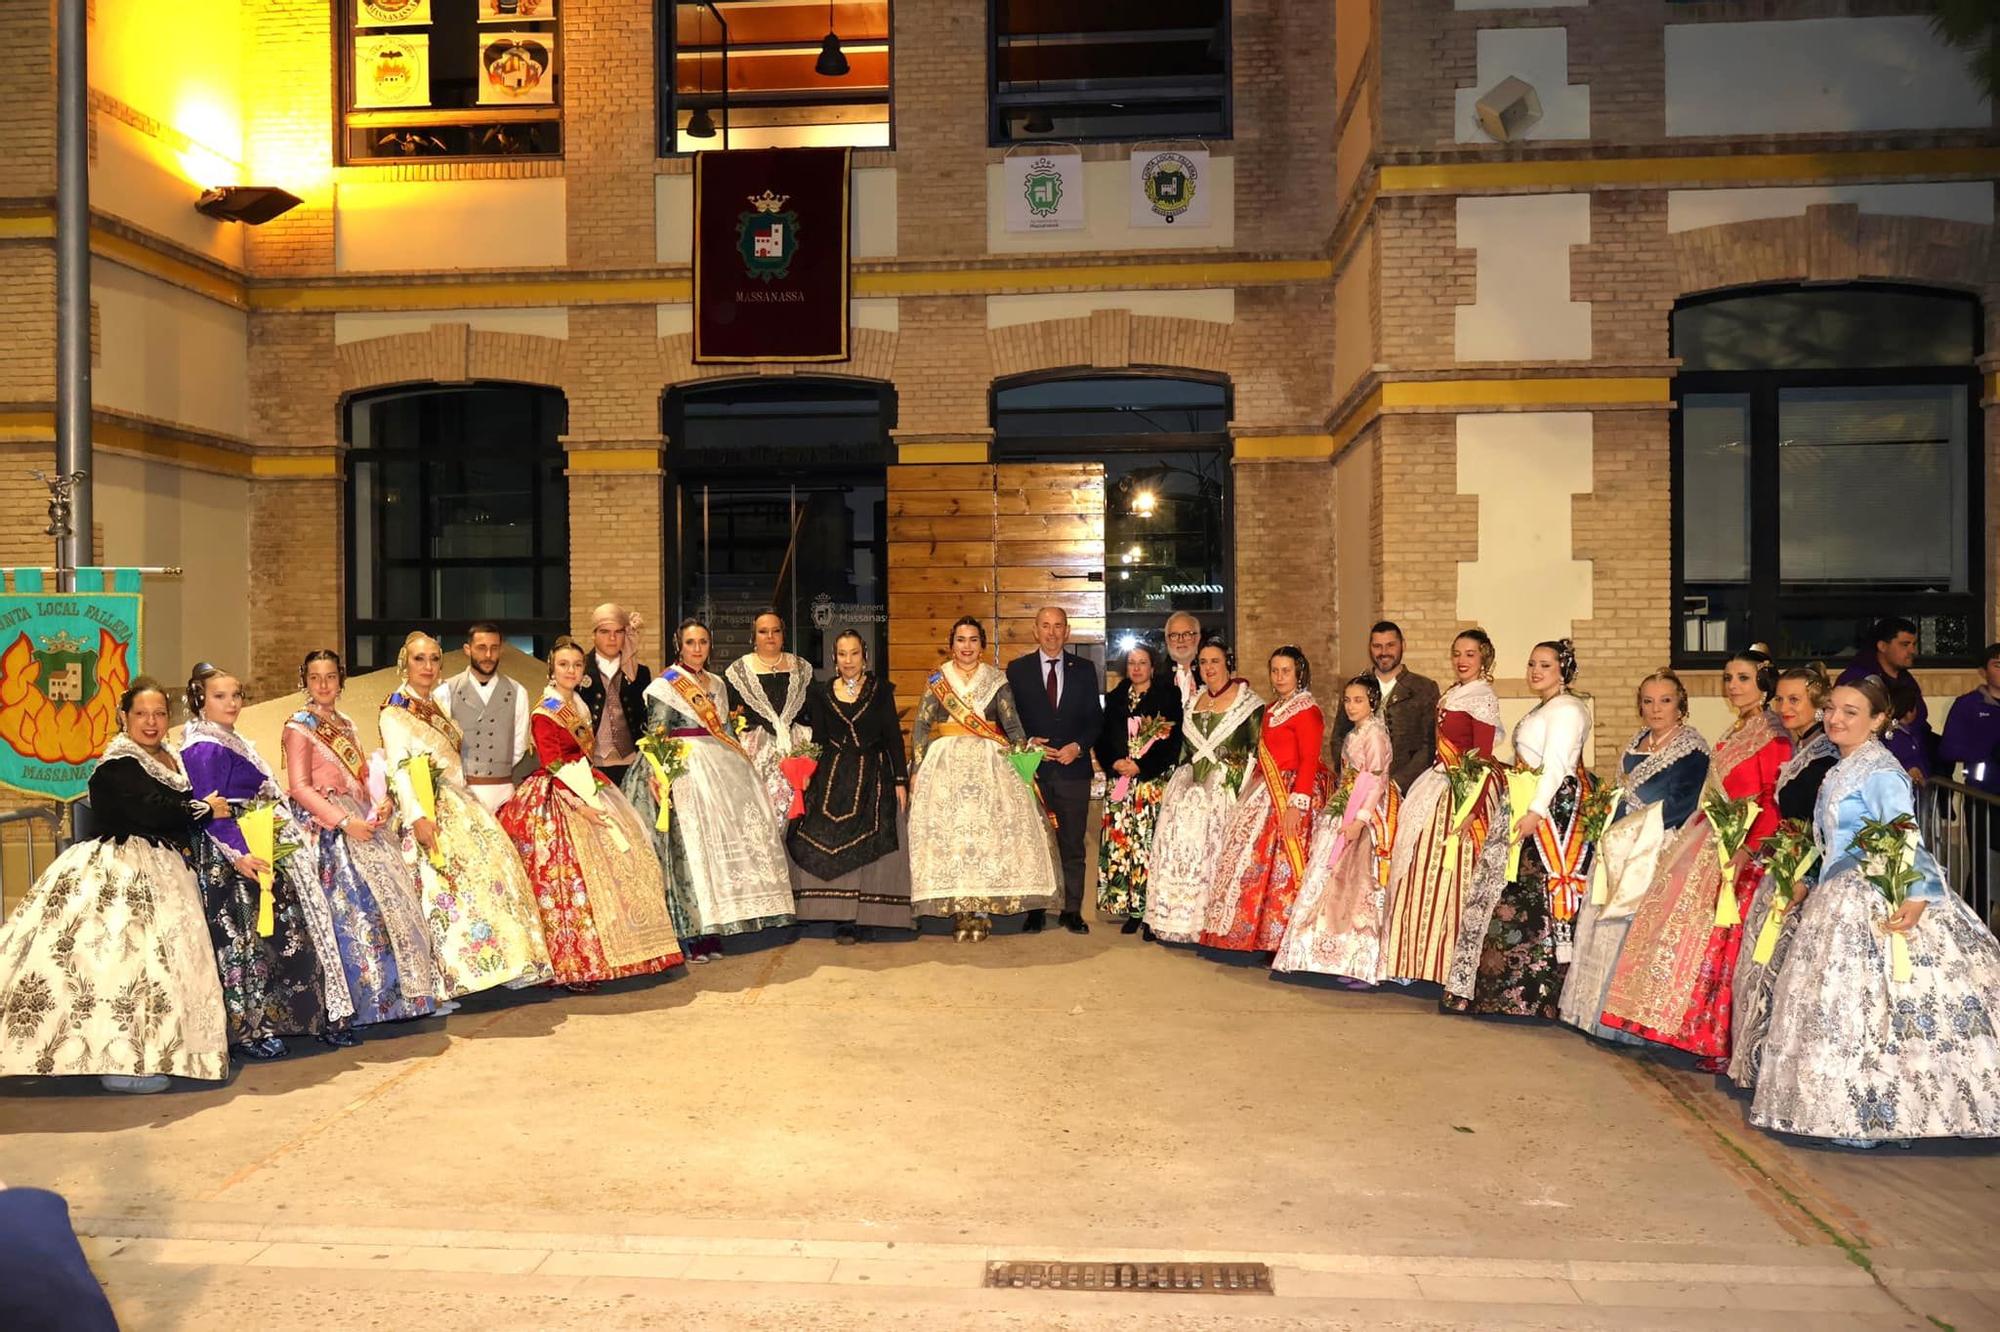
x=1409, y=708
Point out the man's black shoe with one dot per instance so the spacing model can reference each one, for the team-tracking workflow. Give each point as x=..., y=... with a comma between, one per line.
x=1073, y=922
x=1036, y=921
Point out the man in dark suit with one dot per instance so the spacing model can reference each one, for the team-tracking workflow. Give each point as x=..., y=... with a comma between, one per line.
x=1062, y=706
x=1409, y=708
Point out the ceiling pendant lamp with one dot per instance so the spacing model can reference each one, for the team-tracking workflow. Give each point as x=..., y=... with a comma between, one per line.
x=1038, y=122
x=701, y=125
x=832, y=62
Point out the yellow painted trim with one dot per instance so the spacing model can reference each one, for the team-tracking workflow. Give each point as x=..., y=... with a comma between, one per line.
x=110, y=432
x=1552, y=391
x=145, y=259
x=295, y=466
x=614, y=460
x=908, y=454
x=1993, y=385
x=1000, y=281
x=1357, y=421
x=450, y=295
x=1586, y=171
x=1283, y=448
x=35, y=225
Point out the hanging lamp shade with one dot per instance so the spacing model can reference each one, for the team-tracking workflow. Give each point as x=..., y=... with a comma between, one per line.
x=701, y=125
x=1038, y=122
x=832, y=62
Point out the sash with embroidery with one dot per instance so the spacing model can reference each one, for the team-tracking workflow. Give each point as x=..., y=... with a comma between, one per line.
x=428, y=712
x=1480, y=820
x=1281, y=796
x=701, y=705
x=572, y=717
x=1564, y=860
x=338, y=739
x=975, y=723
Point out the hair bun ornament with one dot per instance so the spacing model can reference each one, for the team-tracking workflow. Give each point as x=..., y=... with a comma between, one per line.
x=1764, y=648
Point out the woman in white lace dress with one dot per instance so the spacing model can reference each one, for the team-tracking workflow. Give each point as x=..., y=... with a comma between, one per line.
x=1218, y=736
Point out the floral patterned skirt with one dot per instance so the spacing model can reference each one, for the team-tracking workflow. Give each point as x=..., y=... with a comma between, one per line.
x=1182, y=863
x=378, y=924
x=1521, y=968
x=1124, y=845
x=106, y=967
x=1853, y=1053
x=484, y=925
x=1755, y=983
x=1251, y=908
x=271, y=985
x=1705, y=1028
x=1341, y=918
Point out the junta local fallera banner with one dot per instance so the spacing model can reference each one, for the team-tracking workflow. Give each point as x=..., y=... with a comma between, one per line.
x=64, y=660
x=771, y=255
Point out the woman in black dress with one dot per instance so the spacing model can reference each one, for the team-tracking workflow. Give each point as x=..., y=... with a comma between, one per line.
x=850, y=861
x=1138, y=749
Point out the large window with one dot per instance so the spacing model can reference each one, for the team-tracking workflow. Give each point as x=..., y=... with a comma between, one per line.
x=449, y=78
x=457, y=510
x=780, y=500
x=773, y=74
x=1826, y=470
x=1164, y=443
x=1114, y=69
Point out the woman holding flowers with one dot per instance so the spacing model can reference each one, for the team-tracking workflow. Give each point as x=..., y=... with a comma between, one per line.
x=1791, y=865
x=341, y=796
x=1138, y=748
x=1513, y=940
x=768, y=687
x=1882, y=1020
x=1270, y=832
x=850, y=862
x=980, y=843
x=597, y=883
x=1341, y=918
x=270, y=925
x=1445, y=819
x=721, y=849
x=1661, y=774
x=478, y=904
x=1219, y=741
x=1674, y=983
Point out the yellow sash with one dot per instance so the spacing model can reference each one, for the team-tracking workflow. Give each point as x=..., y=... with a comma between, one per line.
x=1281, y=796
x=702, y=706
x=339, y=739
x=970, y=722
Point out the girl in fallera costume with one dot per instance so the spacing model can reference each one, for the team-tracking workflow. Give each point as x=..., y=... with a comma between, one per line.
x=1513, y=940
x=485, y=928
x=1219, y=741
x=279, y=963
x=1145, y=704
x=980, y=843
x=1801, y=706
x=1862, y=1048
x=1270, y=833
x=1661, y=773
x=106, y=968
x=1429, y=877
x=767, y=688
x=723, y=853
x=586, y=851
x=378, y=917
x=1673, y=983
x=1342, y=916
x=849, y=849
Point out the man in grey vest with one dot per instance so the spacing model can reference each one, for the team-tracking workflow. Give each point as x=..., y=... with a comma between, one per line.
x=492, y=713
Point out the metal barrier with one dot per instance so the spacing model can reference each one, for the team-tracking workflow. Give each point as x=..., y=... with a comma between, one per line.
x=1961, y=827
x=28, y=852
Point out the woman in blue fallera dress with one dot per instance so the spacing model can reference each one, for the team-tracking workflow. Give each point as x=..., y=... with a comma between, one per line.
x=1855, y=1054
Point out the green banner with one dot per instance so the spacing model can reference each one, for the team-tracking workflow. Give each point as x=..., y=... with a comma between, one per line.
x=65, y=658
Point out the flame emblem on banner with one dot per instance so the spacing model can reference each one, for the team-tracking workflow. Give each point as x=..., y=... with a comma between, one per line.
x=60, y=704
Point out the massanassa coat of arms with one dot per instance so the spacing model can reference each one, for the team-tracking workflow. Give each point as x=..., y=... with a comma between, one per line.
x=768, y=237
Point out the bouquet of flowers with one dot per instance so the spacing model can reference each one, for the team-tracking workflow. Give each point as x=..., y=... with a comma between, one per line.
x=798, y=764
x=423, y=785
x=666, y=759
x=1730, y=821
x=271, y=838
x=1888, y=851
x=1142, y=734
x=1788, y=854
x=1025, y=758
x=1595, y=815
x=581, y=780
x=1468, y=779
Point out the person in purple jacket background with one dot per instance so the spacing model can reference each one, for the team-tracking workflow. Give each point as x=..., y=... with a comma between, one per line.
x=280, y=976
x=1887, y=653
x=1972, y=728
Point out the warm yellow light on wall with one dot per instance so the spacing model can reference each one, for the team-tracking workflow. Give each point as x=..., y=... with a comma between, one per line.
x=215, y=155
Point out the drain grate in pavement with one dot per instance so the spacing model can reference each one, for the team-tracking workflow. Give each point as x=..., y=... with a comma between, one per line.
x=1154, y=1278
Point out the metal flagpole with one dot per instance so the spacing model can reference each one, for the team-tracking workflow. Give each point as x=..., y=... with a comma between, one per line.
x=71, y=523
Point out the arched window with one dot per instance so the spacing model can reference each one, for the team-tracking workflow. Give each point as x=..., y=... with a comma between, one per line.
x=1826, y=470
x=779, y=495
x=457, y=511
x=1164, y=445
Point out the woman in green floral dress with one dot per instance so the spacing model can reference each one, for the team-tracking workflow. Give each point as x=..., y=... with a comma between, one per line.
x=1138, y=749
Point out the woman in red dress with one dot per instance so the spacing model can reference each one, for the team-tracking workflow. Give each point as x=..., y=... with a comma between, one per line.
x=1264, y=853
x=587, y=852
x=1675, y=979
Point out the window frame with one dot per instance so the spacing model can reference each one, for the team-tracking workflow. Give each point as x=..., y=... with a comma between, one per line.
x=996, y=136
x=344, y=30
x=1769, y=603
x=546, y=552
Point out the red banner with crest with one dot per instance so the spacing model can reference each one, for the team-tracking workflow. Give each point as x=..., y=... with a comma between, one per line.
x=771, y=255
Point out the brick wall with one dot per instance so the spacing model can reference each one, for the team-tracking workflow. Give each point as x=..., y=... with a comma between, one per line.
x=1284, y=566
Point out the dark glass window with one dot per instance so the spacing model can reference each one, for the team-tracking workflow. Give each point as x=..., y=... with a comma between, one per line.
x=1827, y=470
x=1164, y=444
x=479, y=78
x=780, y=500
x=1111, y=70
x=750, y=74
x=457, y=510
